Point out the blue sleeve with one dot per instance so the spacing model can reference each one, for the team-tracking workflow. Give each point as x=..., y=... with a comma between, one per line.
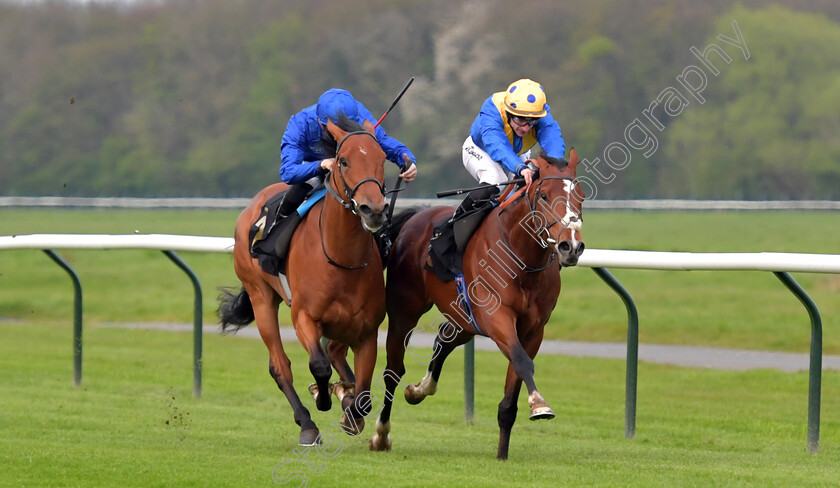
x=550, y=137
x=393, y=148
x=488, y=132
x=295, y=149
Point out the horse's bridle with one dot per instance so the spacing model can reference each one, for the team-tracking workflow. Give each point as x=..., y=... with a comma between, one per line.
x=351, y=192
x=532, y=207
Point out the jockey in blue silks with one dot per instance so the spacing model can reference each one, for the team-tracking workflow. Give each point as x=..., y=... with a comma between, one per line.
x=509, y=124
x=303, y=164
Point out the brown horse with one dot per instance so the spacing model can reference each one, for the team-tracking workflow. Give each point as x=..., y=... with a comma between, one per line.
x=335, y=276
x=511, y=269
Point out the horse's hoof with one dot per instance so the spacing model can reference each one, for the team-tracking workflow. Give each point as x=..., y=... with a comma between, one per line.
x=352, y=427
x=323, y=403
x=542, y=413
x=314, y=391
x=539, y=409
x=413, y=395
x=380, y=443
x=342, y=389
x=309, y=437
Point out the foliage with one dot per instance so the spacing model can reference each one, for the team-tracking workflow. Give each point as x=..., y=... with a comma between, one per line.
x=186, y=98
x=776, y=135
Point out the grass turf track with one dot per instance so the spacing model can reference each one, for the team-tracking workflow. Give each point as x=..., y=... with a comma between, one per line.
x=134, y=422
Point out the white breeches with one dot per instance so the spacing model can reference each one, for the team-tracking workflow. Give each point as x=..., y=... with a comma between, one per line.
x=481, y=166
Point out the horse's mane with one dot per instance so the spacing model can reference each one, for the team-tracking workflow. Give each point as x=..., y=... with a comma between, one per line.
x=328, y=144
x=559, y=162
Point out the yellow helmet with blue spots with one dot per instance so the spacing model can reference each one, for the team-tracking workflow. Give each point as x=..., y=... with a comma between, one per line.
x=525, y=98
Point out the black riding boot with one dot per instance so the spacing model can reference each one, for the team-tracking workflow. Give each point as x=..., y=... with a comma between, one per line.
x=292, y=199
x=474, y=198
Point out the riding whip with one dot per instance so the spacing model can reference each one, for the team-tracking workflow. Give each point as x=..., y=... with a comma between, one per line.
x=459, y=191
x=410, y=81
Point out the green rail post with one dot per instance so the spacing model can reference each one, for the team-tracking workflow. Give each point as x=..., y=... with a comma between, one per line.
x=197, y=322
x=469, y=381
x=77, y=316
x=815, y=374
x=632, y=351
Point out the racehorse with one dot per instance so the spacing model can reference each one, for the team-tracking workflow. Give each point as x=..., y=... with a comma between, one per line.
x=511, y=269
x=335, y=275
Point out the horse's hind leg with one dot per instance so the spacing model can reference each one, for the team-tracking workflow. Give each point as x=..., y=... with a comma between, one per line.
x=265, y=312
x=448, y=338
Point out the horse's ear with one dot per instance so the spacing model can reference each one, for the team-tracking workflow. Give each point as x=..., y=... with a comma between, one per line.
x=573, y=158
x=368, y=126
x=336, y=132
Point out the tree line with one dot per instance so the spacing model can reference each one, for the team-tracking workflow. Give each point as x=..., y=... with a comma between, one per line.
x=191, y=97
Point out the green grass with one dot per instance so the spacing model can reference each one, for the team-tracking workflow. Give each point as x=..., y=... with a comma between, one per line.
x=135, y=423
x=726, y=308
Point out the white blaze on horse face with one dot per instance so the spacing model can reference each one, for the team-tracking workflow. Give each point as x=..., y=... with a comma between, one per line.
x=571, y=220
x=362, y=150
x=569, y=186
x=561, y=207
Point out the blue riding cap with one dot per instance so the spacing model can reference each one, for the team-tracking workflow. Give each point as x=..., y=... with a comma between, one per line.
x=334, y=101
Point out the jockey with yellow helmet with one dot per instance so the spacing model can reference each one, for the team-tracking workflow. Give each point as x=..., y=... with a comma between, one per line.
x=509, y=124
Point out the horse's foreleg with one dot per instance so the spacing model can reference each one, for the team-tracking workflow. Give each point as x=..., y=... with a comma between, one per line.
x=507, y=411
x=265, y=312
x=309, y=336
x=448, y=338
x=395, y=345
x=523, y=364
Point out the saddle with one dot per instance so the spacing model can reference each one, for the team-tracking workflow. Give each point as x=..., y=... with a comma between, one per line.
x=270, y=238
x=449, y=240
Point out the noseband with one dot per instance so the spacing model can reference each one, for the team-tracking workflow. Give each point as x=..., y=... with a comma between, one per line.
x=351, y=192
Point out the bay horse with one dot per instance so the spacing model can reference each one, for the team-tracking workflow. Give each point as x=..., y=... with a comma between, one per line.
x=335, y=276
x=511, y=266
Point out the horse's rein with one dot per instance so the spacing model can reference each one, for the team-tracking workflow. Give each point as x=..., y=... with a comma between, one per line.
x=350, y=192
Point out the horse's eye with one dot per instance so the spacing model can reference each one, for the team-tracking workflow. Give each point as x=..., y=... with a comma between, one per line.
x=543, y=196
x=342, y=162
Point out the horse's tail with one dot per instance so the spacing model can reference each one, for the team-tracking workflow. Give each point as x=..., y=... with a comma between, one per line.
x=235, y=311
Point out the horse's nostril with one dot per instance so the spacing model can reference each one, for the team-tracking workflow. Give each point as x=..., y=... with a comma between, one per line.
x=580, y=249
x=365, y=210
x=564, y=246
